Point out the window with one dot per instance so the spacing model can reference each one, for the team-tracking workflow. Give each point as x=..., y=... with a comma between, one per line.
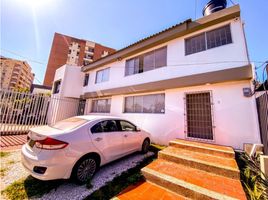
x=86, y=80
x=195, y=44
x=56, y=87
x=154, y=103
x=127, y=126
x=146, y=62
x=105, y=126
x=219, y=37
x=101, y=106
x=215, y=38
x=102, y=75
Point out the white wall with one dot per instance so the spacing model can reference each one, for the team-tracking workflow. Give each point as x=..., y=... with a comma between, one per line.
x=71, y=81
x=178, y=63
x=235, y=116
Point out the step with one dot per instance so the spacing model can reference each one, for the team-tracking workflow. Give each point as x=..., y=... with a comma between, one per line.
x=212, y=149
x=213, y=164
x=192, y=183
x=147, y=190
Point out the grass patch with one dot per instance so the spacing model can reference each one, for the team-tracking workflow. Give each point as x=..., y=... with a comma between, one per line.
x=29, y=187
x=4, y=154
x=121, y=182
x=11, y=162
x=3, y=171
x=254, y=185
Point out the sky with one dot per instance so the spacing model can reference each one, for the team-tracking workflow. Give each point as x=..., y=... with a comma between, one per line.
x=28, y=26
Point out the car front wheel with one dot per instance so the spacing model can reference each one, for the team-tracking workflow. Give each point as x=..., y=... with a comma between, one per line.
x=85, y=169
x=145, y=146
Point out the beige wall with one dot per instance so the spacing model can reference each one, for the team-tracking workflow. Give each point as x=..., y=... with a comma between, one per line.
x=15, y=74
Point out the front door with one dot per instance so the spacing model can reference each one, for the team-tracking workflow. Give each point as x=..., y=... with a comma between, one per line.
x=199, y=115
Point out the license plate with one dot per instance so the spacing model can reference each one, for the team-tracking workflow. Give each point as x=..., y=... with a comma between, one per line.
x=31, y=143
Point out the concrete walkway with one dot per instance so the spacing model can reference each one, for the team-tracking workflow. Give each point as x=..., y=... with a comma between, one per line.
x=190, y=170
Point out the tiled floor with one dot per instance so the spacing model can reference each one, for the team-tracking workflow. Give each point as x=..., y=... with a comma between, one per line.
x=10, y=142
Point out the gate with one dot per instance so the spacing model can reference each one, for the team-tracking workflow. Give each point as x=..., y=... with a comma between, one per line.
x=262, y=106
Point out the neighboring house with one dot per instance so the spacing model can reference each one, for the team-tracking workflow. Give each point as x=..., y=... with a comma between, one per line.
x=191, y=81
x=40, y=89
x=72, y=51
x=15, y=74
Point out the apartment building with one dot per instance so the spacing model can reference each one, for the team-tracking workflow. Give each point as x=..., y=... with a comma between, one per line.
x=191, y=81
x=15, y=74
x=72, y=51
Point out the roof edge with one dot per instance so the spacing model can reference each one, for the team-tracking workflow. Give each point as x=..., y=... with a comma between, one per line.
x=168, y=34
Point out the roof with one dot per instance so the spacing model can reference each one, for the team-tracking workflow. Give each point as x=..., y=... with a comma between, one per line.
x=168, y=34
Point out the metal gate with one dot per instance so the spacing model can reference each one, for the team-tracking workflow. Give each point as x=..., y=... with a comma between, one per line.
x=262, y=106
x=199, y=120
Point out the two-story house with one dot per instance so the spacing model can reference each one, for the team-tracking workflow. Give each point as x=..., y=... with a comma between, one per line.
x=191, y=81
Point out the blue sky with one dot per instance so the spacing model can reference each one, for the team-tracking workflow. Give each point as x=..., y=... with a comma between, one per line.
x=28, y=26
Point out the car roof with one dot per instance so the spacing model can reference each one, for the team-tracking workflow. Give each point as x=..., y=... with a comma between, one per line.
x=94, y=117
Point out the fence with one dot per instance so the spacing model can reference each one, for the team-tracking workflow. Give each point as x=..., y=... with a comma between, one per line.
x=262, y=106
x=21, y=111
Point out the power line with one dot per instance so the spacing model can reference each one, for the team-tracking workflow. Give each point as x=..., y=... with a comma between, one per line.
x=232, y=2
x=28, y=59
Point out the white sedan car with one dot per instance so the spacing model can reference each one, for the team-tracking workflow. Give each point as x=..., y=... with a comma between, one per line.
x=77, y=146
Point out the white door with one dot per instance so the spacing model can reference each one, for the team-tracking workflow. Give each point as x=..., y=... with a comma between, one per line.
x=108, y=139
x=132, y=138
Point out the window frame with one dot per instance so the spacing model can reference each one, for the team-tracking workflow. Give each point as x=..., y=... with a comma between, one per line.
x=102, y=70
x=141, y=61
x=142, y=106
x=86, y=80
x=206, y=41
x=56, y=86
x=109, y=100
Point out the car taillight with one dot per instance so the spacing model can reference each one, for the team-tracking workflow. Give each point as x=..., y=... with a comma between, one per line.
x=50, y=144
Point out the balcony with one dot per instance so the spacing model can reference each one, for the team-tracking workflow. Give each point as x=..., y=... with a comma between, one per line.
x=89, y=52
x=88, y=59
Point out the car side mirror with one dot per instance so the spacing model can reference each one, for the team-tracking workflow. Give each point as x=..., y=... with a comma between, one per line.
x=138, y=129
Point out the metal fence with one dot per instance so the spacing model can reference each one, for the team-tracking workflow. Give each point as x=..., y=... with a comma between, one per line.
x=262, y=106
x=21, y=111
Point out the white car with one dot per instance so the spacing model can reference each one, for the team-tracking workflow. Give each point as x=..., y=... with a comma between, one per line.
x=77, y=146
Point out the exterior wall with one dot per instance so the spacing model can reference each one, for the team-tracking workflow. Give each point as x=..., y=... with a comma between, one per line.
x=15, y=74
x=71, y=81
x=59, y=54
x=178, y=64
x=235, y=117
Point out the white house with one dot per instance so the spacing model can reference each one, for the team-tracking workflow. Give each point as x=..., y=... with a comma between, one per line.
x=191, y=81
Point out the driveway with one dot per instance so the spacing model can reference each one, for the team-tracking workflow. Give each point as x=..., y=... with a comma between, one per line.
x=14, y=171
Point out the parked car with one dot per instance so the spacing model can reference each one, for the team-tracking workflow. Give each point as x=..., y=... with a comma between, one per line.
x=78, y=146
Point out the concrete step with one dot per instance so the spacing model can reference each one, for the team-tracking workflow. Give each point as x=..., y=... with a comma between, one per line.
x=146, y=191
x=214, y=164
x=192, y=183
x=211, y=149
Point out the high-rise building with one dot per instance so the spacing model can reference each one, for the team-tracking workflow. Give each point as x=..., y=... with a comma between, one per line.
x=72, y=51
x=15, y=74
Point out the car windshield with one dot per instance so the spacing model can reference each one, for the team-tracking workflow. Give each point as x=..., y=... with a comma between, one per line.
x=69, y=124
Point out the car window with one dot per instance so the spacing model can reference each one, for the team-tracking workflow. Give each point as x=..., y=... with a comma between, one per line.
x=127, y=126
x=69, y=124
x=105, y=126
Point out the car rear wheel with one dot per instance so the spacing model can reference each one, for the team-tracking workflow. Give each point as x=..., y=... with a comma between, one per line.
x=145, y=146
x=85, y=169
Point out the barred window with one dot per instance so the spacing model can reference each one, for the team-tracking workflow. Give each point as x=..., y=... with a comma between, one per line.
x=101, y=106
x=154, y=103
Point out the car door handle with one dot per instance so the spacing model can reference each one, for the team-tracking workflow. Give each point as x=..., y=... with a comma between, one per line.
x=98, y=139
x=125, y=135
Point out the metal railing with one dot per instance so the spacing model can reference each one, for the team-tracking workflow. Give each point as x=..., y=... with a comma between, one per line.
x=21, y=111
